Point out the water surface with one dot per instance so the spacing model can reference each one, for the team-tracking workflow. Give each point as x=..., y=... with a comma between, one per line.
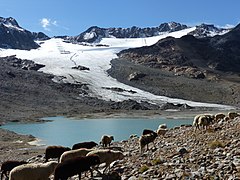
x=67, y=131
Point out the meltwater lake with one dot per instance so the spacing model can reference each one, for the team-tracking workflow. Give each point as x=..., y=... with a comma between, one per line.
x=68, y=131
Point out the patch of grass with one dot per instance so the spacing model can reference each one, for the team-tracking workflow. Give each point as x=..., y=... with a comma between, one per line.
x=157, y=161
x=216, y=144
x=143, y=168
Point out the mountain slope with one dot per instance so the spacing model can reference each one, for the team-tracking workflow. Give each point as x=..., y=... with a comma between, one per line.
x=15, y=37
x=213, y=53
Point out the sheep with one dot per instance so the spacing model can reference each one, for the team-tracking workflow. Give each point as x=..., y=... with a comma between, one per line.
x=7, y=166
x=147, y=131
x=205, y=120
x=74, y=153
x=75, y=166
x=161, y=131
x=55, y=152
x=106, y=140
x=37, y=171
x=88, y=145
x=208, y=119
x=107, y=156
x=219, y=116
x=195, y=121
x=233, y=115
x=162, y=126
x=146, y=139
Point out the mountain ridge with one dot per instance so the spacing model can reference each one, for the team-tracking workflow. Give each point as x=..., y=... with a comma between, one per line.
x=14, y=36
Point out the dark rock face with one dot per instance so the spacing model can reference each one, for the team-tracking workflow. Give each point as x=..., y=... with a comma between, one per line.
x=39, y=36
x=94, y=34
x=191, y=56
x=15, y=37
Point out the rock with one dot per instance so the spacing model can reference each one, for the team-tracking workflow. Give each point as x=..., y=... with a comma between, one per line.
x=136, y=76
x=81, y=68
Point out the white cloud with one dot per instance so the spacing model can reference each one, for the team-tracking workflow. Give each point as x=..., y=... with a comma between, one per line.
x=47, y=23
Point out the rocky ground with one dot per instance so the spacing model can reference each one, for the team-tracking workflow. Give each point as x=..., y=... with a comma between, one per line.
x=183, y=153
x=221, y=88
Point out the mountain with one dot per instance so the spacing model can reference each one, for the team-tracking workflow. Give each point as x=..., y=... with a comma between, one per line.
x=39, y=36
x=208, y=30
x=190, y=55
x=95, y=34
x=15, y=37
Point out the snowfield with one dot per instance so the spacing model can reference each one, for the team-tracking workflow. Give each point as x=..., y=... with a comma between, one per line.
x=59, y=58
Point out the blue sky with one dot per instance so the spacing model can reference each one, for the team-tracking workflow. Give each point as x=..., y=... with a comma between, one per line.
x=71, y=17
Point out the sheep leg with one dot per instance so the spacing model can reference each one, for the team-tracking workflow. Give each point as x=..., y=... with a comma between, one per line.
x=3, y=172
x=79, y=175
x=107, y=166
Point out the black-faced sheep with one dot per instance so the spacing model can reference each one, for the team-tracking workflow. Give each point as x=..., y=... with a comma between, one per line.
x=106, y=140
x=74, y=153
x=219, y=116
x=233, y=115
x=88, y=145
x=146, y=139
x=55, y=152
x=34, y=171
x=75, y=166
x=107, y=156
x=7, y=166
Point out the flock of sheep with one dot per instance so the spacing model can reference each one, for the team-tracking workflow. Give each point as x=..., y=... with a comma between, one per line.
x=205, y=120
x=85, y=156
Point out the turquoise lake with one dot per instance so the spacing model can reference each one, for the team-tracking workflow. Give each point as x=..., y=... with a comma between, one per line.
x=67, y=131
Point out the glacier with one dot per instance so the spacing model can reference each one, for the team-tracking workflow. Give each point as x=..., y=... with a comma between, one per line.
x=59, y=57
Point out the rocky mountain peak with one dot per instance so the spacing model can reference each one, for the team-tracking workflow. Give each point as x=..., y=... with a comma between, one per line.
x=15, y=37
x=95, y=33
x=208, y=30
x=9, y=21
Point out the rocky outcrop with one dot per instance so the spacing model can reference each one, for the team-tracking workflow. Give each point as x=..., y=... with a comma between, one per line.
x=15, y=37
x=21, y=63
x=95, y=34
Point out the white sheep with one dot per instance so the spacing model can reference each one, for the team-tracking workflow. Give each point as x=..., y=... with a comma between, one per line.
x=205, y=120
x=162, y=126
x=34, y=171
x=195, y=121
x=161, y=131
x=74, y=153
x=107, y=156
x=106, y=140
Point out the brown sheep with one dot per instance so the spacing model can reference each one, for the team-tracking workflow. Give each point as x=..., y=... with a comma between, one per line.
x=106, y=140
x=7, y=166
x=146, y=139
x=87, y=145
x=75, y=166
x=55, y=152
